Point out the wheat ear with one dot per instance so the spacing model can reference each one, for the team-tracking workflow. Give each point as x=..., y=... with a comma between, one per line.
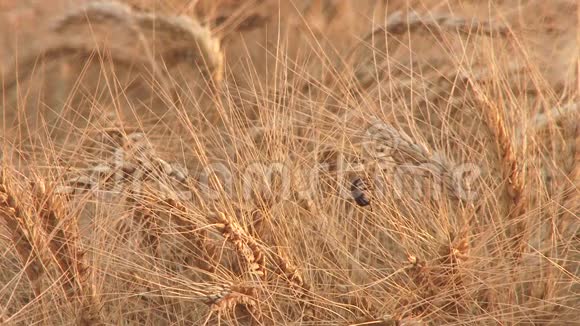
x=180, y=39
x=16, y=222
x=64, y=244
x=231, y=296
x=397, y=24
x=434, y=277
x=287, y=271
x=512, y=170
x=400, y=149
x=192, y=42
x=246, y=246
x=66, y=38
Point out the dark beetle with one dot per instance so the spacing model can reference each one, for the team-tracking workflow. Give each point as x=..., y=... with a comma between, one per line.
x=357, y=189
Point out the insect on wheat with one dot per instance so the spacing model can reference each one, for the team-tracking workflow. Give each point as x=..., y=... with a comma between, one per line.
x=357, y=191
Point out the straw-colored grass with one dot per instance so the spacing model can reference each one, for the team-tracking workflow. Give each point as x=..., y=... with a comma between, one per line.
x=289, y=162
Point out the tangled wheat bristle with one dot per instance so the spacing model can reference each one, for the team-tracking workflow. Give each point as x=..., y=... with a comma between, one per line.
x=206, y=260
x=432, y=278
x=197, y=239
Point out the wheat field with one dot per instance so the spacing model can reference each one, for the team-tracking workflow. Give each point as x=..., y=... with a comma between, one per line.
x=304, y=162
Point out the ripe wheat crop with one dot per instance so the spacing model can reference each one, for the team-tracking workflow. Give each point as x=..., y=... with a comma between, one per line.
x=308, y=162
